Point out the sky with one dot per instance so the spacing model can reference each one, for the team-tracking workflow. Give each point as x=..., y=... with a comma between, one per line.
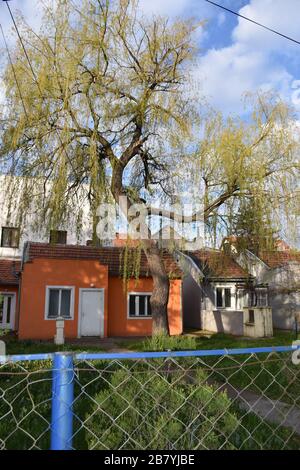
x=235, y=56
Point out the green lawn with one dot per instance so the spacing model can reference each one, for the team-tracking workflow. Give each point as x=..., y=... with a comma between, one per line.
x=13, y=346
x=190, y=341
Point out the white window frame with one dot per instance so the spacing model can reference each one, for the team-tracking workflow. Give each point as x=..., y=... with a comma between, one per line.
x=13, y=309
x=232, y=295
x=47, y=299
x=137, y=317
x=264, y=291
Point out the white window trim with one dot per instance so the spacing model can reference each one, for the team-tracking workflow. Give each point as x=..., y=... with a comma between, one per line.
x=13, y=308
x=233, y=296
x=128, y=306
x=47, y=298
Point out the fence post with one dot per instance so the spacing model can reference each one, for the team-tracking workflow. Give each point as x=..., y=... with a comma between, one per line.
x=62, y=402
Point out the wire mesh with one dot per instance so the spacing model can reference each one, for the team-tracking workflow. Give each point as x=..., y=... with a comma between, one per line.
x=247, y=401
x=244, y=401
x=25, y=405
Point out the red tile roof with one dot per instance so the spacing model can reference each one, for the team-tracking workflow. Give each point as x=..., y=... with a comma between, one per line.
x=9, y=270
x=217, y=264
x=108, y=256
x=275, y=259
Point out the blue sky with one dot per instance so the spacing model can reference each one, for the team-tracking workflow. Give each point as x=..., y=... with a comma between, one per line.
x=235, y=55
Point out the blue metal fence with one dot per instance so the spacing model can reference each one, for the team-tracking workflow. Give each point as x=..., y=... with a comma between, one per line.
x=63, y=378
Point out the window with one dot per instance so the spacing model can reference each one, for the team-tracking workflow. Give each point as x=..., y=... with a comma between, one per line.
x=58, y=237
x=257, y=297
x=223, y=297
x=254, y=298
x=59, y=302
x=10, y=237
x=251, y=317
x=6, y=310
x=139, y=305
x=262, y=297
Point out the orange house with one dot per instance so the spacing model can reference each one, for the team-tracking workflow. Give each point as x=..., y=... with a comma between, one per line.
x=83, y=285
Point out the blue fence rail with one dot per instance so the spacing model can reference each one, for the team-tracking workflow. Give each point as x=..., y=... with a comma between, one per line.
x=63, y=378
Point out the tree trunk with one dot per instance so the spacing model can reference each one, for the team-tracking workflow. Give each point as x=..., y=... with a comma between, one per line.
x=161, y=285
x=160, y=296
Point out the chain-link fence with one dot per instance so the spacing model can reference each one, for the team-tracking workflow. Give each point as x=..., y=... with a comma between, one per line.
x=235, y=399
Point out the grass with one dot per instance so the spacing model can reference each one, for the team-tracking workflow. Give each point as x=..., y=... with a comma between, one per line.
x=212, y=341
x=14, y=346
x=186, y=342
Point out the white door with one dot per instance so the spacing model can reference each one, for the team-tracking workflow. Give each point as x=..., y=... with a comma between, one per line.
x=7, y=311
x=92, y=312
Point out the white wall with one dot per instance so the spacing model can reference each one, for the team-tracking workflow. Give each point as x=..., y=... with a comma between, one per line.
x=284, y=288
x=263, y=324
x=31, y=233
x=223, y=321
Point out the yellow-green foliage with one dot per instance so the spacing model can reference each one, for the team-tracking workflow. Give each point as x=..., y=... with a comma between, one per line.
x=105, y=82
x=252, y=164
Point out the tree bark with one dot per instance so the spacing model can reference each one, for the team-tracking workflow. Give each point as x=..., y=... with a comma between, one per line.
x=160, y=295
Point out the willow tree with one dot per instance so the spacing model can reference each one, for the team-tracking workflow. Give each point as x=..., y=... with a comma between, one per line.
x=97, y=93
x=251, y=169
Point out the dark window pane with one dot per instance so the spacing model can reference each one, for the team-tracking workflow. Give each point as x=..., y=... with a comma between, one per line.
x=227, y=298
x=252, y=296
x=262, y=298
x=8, y=312
x=53, y=303
x=5, y=238
x=1, y=308
x=10, y=237
x=251, y=316
x=219, y=298
x=58, y=236
x=149, y=305
x=15, y=238
x=142, y=306
x=65, y=303
x=132, y=305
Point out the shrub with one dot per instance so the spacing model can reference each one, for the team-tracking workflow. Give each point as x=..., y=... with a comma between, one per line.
x=146, y=410
x=173, y=343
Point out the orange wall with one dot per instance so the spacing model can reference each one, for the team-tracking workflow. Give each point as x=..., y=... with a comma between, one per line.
x=54, y=272
x=81, y=274
x=120, y=325
x=14, y=290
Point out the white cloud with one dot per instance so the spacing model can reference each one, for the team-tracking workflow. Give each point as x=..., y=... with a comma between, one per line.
x=275, y=14
x=164, y=7
x=249, y=64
